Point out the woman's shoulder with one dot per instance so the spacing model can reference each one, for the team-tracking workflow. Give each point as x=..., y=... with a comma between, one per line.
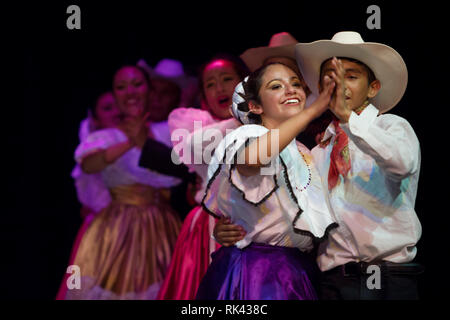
x=240, y=136
x=249, y=130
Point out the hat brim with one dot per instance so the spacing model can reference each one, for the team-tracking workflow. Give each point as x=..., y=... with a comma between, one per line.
x=387, y=65
x=255, y=57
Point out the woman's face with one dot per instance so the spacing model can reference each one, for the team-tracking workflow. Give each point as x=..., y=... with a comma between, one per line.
x=219, y=80
x=281, y=95
x=107, y=113
x=131, y=91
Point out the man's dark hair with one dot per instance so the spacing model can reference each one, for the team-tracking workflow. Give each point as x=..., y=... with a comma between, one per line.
x=370, y=73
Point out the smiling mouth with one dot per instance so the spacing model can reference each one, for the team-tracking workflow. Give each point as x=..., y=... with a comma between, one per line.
x=293, y=101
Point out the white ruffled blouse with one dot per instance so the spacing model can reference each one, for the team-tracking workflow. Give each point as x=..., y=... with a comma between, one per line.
x=286, y=207
x=194, y=139
x=125, y=170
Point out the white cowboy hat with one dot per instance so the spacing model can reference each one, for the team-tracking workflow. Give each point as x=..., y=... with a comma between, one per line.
x=387, y=65
x=168, y=69
x=281, y=45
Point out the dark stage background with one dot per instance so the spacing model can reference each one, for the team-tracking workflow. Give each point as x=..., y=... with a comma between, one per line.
x=64, y=69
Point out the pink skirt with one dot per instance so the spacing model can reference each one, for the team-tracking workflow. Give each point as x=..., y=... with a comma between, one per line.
x=191, y=257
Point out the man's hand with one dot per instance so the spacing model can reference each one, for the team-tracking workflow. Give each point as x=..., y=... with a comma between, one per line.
x=228, y=234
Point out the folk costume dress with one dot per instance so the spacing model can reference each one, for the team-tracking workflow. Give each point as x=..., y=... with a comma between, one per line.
x=194, y=245
x=282, y=210
x=125, y=252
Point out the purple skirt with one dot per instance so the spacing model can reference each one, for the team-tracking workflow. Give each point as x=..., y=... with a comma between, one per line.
x=259, y=272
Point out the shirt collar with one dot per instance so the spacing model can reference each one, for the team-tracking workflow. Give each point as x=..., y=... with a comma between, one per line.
x=329, y=132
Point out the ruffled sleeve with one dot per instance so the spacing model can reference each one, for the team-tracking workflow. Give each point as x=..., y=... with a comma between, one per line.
x=98, y=140
x=193, y=131
x=315, y=216
x=195, y=134
x=182, y=123
x=183, y=118
x=253, y=189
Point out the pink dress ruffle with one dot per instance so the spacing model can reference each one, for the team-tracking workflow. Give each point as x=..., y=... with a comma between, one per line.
x=190, y=259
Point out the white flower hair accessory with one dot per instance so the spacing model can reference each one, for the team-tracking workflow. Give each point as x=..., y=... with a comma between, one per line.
x=238, y=94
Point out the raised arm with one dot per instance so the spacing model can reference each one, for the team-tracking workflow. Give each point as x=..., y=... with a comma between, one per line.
x=390, y=141
x=136, y=131
x=99, y=160
x=283, y=134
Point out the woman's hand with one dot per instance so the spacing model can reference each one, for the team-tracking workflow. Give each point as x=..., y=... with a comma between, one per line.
x=338, y=104
x=228, y=234
x=321, y=104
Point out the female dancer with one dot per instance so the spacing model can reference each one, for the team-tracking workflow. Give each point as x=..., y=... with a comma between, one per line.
x=280, y=207
x=91, y=191
x=127, y=248
x=218, y=78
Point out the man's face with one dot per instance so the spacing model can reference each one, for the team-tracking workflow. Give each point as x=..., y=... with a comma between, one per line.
x=356, y=79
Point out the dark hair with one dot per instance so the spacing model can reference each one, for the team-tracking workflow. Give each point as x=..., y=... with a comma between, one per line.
x=370, y=74
x=94, y=99
x=252, y=87
x=173, y=87
x=296, y=70
x=146, y=76
x=170, y=89
x=142, y=70
x=238, y=65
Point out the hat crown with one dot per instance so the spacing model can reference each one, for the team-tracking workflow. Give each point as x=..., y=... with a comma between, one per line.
x=169, y=68
x=282, y=39
x=348, y=37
